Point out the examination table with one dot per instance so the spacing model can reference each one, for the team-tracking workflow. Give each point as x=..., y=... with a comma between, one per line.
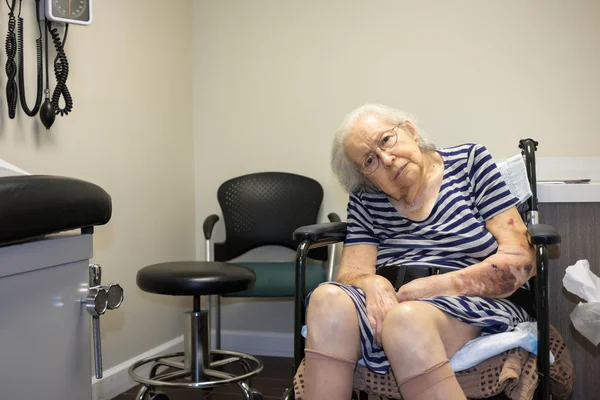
x=50, y=296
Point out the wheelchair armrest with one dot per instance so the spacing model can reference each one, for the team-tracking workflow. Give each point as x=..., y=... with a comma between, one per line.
x=209, y=224
x=309, y=236
x=543, y=234
x=330, y=232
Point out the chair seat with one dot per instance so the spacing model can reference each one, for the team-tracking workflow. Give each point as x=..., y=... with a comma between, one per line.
x=276, y=279
x=512, y=373
x=194, y=278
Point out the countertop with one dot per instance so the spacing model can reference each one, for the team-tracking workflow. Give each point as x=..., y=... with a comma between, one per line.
x=568, y=193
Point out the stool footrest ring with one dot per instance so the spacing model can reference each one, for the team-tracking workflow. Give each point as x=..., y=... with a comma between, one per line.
x=222, y=377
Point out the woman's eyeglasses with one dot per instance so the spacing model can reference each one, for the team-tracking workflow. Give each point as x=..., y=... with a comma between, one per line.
x=386, y=142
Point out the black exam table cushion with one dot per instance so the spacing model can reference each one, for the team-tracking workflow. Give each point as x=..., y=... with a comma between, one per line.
x=38, y=205
x=195, y=278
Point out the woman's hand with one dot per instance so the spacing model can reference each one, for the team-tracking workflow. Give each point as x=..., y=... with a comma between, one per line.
x=357, y=267
x=411, y=291
x=431, y=286
x=380, y=299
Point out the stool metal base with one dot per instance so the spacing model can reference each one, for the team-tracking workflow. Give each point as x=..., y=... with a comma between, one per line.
x=182, y=376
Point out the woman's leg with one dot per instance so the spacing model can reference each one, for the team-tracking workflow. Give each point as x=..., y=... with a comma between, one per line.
x=332, y=344
x=419, y=339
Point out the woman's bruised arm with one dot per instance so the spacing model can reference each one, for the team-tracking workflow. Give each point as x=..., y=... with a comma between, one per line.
x=498, y=276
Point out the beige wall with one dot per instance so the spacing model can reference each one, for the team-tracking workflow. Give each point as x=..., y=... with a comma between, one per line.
x=130, y=133
x=270, y=81
x=273, y=79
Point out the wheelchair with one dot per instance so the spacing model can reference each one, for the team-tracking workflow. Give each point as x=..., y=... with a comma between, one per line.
x=542, y=236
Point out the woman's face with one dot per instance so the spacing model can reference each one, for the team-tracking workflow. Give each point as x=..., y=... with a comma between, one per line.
x=398, y=168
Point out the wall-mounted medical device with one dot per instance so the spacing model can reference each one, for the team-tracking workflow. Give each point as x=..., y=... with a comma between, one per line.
x=52, y=16
x=77, y=12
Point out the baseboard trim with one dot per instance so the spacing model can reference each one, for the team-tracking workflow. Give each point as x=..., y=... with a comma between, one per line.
x=275, y=344
x=116, y=380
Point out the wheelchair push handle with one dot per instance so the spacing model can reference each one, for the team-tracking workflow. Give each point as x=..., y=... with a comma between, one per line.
x=528, y=148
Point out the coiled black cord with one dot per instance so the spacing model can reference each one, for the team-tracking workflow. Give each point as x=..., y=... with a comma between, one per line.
x=61, y=72
x=11, y=66
x=47, y=114
x=40, y=72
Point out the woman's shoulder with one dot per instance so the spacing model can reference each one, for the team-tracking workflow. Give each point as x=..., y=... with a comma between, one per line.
x=366, y=196
x=369, y=201
x=463, y=153
x=461, y=150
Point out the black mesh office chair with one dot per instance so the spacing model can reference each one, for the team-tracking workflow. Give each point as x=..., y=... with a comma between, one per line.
x=259, y=209
x=263, y=209
x=542, y=236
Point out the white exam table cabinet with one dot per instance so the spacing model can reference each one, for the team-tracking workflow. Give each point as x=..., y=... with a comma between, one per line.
x=46, y=230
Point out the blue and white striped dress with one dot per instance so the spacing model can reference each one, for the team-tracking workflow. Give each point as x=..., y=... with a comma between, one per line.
x=453, y=236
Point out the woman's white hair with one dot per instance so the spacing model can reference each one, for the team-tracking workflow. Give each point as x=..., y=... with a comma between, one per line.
x=347, y=172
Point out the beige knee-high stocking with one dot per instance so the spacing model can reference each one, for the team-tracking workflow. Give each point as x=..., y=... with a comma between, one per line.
x=436, y=382
x=327, y=376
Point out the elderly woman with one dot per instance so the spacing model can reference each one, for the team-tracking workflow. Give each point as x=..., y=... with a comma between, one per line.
x=444, y=210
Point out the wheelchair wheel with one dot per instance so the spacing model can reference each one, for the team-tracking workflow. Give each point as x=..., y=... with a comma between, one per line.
x=158, y=396
x=288, y=394
x=256, y=395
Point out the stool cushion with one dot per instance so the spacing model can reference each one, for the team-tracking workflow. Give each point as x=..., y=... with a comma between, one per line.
x=194, y=278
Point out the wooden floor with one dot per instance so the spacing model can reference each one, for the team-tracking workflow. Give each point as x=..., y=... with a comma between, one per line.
x=275, y=378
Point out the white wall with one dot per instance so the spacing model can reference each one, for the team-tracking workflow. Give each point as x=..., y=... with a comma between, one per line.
x=129, y=132
x=273, y=79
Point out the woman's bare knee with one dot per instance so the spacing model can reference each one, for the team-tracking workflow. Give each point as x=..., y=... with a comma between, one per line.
x=330, y=307
x=411, y=340
x=332, y=321
x=425, y=325
x=409, y=325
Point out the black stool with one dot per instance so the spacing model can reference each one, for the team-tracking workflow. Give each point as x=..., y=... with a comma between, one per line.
x=193, y=367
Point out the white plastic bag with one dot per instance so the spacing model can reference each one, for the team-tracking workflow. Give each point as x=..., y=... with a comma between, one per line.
x=582, y=282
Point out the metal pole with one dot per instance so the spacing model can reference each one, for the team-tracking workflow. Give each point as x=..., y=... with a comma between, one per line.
x=299, y=308
x=543, y=356
x=196, y=346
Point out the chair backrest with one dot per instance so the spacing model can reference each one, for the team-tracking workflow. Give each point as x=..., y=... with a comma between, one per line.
x=265, y=208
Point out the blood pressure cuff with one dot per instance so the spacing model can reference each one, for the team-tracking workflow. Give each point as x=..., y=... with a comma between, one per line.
x=399, y=275
x=37, y=205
